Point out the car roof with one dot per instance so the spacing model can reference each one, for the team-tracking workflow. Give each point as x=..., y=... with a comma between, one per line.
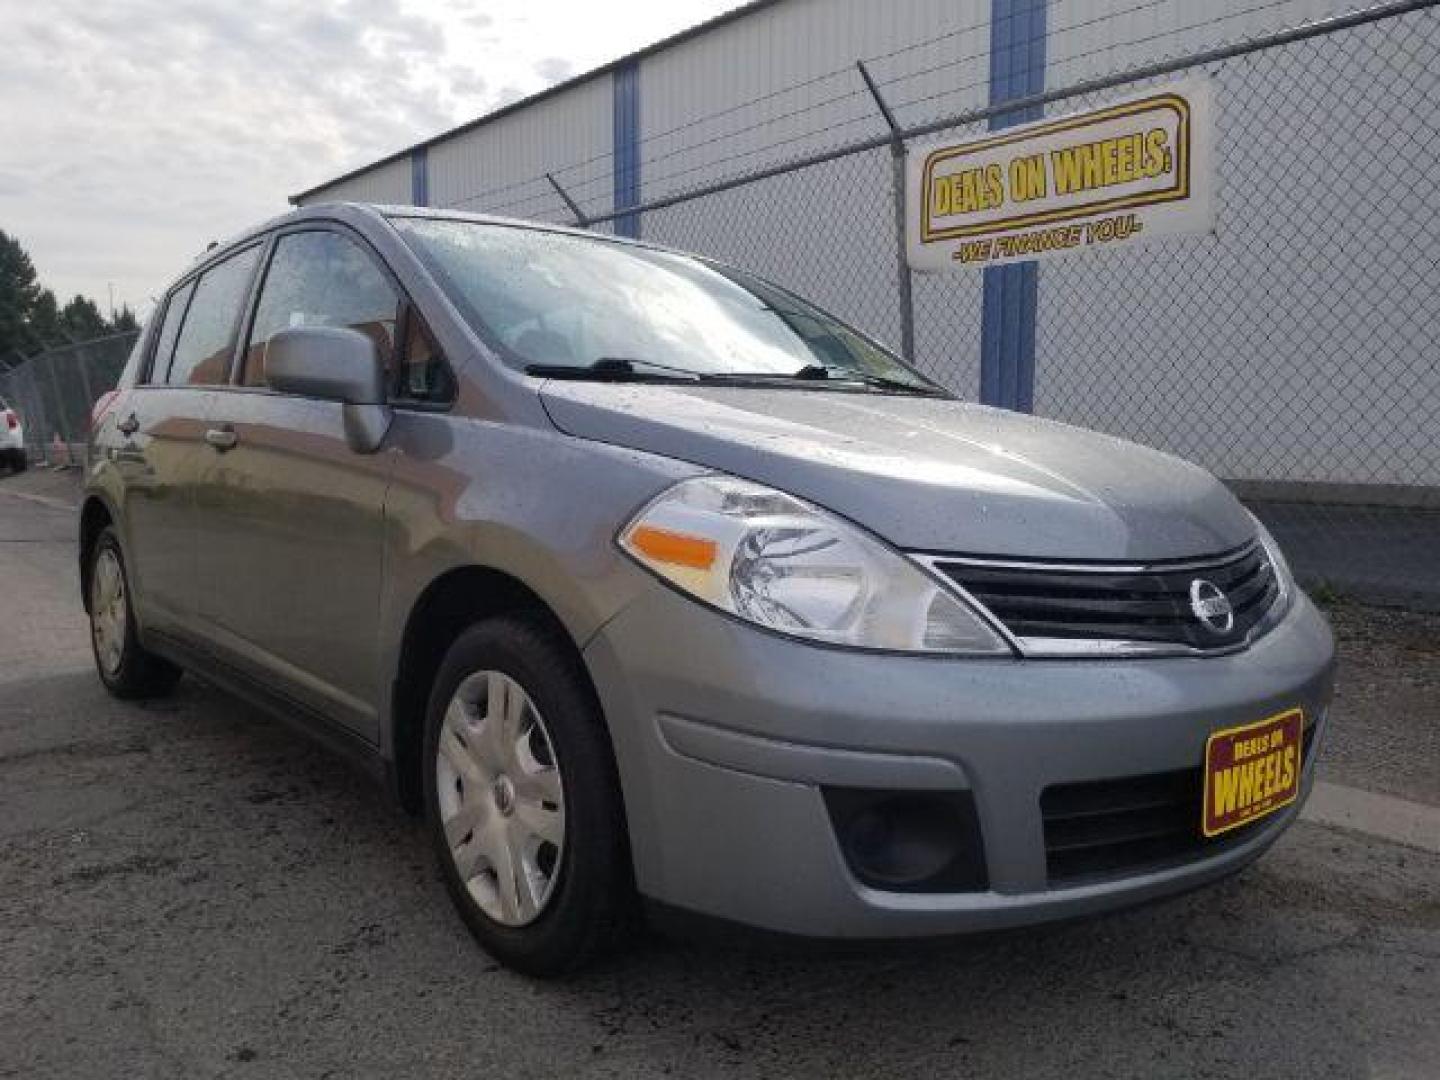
x=360, y=214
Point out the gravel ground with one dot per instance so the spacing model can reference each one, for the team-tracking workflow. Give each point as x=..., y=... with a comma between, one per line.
x=1386, y=731
x=188, y=889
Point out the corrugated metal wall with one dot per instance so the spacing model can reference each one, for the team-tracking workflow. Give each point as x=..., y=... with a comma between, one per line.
x=500, y=167
x=780, y=82
x=1264, y=366
x=387, y=183
x=1087, y=38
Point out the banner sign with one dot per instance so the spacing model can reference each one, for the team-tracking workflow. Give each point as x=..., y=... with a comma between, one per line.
x=1130, y=171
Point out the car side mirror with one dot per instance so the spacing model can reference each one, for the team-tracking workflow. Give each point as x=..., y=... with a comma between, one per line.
x=334, y=364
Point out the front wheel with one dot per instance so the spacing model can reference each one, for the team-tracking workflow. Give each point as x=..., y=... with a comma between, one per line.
x=126, y=668
x=522, y=799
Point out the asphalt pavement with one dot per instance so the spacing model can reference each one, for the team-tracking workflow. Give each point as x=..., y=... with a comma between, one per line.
x=188, y=889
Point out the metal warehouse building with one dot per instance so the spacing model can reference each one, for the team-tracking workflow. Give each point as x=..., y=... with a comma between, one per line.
x=1293, y=348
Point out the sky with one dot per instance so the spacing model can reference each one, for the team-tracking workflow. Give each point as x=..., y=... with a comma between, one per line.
x=134, y=132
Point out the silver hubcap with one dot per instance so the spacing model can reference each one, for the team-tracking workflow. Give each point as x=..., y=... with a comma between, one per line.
x=501, y=800
x=107, y=611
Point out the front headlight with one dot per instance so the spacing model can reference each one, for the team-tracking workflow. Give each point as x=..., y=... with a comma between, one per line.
x=783, y=564
x=1284, y=581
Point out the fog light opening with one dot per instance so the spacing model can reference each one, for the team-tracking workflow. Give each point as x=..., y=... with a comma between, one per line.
x=909, y=841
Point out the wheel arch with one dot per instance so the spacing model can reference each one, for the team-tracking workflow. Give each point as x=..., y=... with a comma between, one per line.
x=95, y=516
x=453, y=601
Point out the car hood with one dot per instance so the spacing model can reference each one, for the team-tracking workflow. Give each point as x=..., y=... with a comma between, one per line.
x=927, y=474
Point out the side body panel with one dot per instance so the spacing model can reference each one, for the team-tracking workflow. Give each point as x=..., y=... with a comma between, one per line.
x=535, y=505
x=151, y=477
x=305, y=561
x=288, y=527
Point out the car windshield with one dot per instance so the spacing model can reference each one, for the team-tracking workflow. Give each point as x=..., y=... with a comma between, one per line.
x=555, y=301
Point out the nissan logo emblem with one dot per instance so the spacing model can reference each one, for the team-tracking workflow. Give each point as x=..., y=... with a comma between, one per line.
x=1211, y=606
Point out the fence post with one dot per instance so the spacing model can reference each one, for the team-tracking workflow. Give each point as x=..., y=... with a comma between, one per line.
x=32, y=410
x=902, y=263
x=84, y=366
x=59, y=420
x=580, y=218
x=77, y=449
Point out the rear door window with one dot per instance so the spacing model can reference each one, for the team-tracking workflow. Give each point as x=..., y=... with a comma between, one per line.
x=322, y=278
x=207, y=337
x=169, y=331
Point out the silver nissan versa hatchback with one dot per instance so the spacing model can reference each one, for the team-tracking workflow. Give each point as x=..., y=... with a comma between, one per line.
x=644, y=579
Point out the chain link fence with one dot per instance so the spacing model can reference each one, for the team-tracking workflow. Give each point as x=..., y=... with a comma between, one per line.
x=53, y=391
x=1292, y=352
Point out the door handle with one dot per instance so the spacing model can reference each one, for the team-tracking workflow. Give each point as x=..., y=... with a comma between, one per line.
x=129, y=425
x=222, y=439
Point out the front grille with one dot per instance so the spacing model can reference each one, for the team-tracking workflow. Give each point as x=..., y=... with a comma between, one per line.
x=1112, y=828
x=1046, y=606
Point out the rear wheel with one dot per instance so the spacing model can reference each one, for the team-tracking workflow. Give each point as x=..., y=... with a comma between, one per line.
x=522, y=799
x=125, y=667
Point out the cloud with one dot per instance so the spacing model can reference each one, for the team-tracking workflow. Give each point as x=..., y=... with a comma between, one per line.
x=554, y=69
x=136, y=131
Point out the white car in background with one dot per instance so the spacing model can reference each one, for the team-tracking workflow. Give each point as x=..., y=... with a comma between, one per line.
x=12, y=439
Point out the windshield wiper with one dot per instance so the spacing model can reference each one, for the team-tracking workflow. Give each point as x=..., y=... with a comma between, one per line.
x=882, y=382
x=617, y=368
x=625, y=369
x=824, y=372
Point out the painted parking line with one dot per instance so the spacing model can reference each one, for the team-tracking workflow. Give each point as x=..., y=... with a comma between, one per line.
x=1384, y=816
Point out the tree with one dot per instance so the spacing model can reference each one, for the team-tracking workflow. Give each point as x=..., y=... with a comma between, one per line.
x=30, y=317
x=19, y=290
x=44, y=328
x=81, y=320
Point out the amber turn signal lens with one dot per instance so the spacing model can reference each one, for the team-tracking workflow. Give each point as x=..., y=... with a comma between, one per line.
x=674, y=548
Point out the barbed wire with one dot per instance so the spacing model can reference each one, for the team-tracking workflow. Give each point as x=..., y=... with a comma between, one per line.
x=565, y=172
x=584, y=186
x=1098, y=51
x=596, y=182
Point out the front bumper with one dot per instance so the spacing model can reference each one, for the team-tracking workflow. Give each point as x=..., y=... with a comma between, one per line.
x=725, y=735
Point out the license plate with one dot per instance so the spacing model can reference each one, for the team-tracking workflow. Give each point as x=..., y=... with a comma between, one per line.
x=1251, y=771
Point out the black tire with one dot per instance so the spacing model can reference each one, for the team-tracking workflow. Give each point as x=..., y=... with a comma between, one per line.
x=139, y=673
x=18, y=462
x=591, y=904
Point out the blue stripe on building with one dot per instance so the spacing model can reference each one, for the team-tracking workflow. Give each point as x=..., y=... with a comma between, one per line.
x=627, y=147
x=420, y=176
x=1007, y=332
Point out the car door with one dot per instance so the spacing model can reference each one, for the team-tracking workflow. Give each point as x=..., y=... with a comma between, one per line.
x=160, y=440
x=290, y=519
